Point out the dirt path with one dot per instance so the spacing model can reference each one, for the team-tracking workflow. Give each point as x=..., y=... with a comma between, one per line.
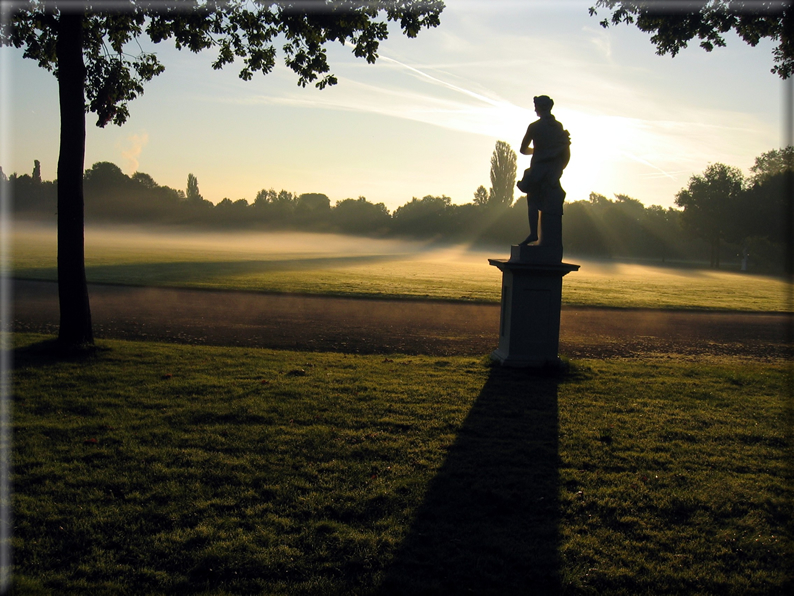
x=385, y=326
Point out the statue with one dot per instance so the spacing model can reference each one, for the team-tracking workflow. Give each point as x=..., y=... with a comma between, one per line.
x=541, y=182
x=529, y=326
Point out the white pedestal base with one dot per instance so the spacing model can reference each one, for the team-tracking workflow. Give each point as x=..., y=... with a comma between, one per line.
x=529, y=327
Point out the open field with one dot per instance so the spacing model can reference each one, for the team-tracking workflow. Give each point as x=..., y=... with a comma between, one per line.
x=347, y=266
x=162, y=469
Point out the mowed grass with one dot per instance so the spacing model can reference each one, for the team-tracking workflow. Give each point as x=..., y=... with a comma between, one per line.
x=347, y=266
x=161, y=469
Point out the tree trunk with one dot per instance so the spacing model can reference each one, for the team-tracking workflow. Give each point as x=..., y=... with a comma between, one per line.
x=75, y=324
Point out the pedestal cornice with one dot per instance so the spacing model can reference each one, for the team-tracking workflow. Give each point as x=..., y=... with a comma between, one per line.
x=536, y=268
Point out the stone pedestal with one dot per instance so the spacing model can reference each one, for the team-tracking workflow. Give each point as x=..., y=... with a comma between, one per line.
x=529, y=328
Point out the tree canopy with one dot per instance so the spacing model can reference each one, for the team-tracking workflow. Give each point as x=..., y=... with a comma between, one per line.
x=247, y=31
x=673, y=25
x=773, y=163
x=712, y=205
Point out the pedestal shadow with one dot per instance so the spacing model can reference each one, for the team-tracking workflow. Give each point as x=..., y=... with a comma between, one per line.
x=489, y=520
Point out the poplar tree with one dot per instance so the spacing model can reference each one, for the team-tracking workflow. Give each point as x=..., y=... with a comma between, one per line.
x=503, y=175
x=192, y=191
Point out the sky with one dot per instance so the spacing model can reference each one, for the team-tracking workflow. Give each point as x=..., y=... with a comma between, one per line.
x=424, y=119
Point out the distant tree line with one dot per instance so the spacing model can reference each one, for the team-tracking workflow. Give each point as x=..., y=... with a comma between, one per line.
x=722, y=215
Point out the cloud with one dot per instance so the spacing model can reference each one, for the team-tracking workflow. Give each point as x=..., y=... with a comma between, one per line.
x=601, y=41
x=131, y=148
x=409, y=93
x=441, y=83
x=649, y=164
x=667, y=142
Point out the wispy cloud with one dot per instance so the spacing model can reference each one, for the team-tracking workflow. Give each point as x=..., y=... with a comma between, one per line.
x=446, y=84
x=659, y=145
x=601, y=40
x=647, y=163
x=131, y=149
x=410, y=93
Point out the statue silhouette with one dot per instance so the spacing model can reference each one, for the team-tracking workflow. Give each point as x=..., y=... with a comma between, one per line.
x=541, y=182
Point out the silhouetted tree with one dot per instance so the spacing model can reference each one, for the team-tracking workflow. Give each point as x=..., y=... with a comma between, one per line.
x=622, y=218
x=507, y=224
x=106, y=190
x=274, y=208
x=144, y=180
x=359, y=216
x=585, y=229
x=469, y=221
x=598, y=200
x=481, y=196
x=284, y=204
x=766, y=218
x=105, y=174
x=632, y=207
x=233, y=214
x=673, y=25
x=582, y=230
x=33, y=197
x=624, y=227
x=503, y=175
x=192, y=191
x=264, y=198
x=111, y=195
x=712, y=206
x=771, y=163
x=662, y=226
x=85, y=47
x=422, y=217
x=312, y=204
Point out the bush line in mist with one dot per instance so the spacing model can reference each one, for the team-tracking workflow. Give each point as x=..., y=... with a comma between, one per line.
x=597, y=227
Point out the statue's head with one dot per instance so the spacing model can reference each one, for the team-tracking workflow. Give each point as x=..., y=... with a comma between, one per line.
x=543, y=103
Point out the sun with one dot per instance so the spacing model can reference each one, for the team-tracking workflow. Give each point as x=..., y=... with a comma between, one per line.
x=600, y=152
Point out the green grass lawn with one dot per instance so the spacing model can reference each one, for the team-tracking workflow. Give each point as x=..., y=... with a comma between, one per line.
x=163, y=469
x=338, y=265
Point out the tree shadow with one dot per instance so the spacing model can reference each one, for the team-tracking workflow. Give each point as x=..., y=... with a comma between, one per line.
x=186, y=271
x=51, y=351
x=489, y=520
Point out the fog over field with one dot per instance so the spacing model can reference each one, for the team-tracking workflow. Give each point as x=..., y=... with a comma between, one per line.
x=164, y=243
x=160, y=244
x=305, y=263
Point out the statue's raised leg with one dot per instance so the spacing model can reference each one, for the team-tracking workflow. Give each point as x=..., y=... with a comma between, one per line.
x=551, y=236
x=533, y=223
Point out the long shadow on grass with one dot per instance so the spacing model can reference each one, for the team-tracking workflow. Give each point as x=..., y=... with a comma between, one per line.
x=488, y=523
x=186, y=271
